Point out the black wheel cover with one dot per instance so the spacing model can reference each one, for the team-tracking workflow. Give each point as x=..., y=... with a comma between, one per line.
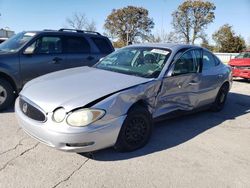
x=136, y=130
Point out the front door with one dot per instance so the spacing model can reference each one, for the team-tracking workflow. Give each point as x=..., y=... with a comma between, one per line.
x=180, y=89
x=44, y=55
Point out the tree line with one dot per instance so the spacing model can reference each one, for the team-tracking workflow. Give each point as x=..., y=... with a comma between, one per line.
x=132, y=24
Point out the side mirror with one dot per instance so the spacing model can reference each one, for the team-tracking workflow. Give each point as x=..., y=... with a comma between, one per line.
x=170, y=71
x=29, y=51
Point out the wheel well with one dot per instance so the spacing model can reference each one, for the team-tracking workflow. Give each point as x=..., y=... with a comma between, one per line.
x=141, y=103
x=9, y=79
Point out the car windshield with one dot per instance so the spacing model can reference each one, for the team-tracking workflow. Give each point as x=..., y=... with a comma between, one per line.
x=139, y=61
x=14, y=43
x=243, y=55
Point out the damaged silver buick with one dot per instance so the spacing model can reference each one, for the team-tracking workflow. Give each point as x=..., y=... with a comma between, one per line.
x=115, y=102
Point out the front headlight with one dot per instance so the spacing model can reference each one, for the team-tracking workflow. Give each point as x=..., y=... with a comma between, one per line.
x=84, y=117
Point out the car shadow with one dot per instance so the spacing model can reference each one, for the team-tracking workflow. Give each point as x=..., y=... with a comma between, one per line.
x=173, y=132
x=8, y=110
x=241, y=80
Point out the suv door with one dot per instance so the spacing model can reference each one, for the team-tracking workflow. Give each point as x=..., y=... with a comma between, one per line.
x=42, y=56
x=78, y=52
x=180, y=88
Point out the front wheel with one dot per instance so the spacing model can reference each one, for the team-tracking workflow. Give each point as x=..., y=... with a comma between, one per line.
x=220, y=98
x=6, y=94
x=136, y=130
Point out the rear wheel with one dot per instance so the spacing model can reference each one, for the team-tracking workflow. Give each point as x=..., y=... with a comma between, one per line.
x=136, y=130
x=220, y=98
x=6, y=94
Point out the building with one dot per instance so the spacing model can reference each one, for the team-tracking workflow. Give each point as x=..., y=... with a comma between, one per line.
x=6, y=33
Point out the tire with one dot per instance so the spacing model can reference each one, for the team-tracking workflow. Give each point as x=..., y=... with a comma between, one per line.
x=6, y=94
x=136, y=130
x=220, y=100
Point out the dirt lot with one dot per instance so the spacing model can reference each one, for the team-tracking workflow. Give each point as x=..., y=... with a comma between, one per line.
x=200, y=150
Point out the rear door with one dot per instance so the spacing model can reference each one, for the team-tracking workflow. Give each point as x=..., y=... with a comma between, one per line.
x=211, y=77
x=45, y=56
x=180, y=88
x=78, y=52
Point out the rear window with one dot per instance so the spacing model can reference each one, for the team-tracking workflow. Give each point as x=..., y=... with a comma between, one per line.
x=102, y=44
x=77, y=45
x=208, y=61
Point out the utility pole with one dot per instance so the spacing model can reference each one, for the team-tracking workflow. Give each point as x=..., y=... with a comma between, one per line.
x=127, y=36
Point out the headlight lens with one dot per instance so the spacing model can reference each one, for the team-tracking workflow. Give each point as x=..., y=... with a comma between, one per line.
x=84, y=117
x=59, y=115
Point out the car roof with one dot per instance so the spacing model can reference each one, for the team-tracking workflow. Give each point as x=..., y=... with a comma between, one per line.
x=171, y=46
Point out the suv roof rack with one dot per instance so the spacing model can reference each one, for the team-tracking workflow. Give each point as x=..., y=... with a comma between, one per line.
x=49, y=30
x=79, y=31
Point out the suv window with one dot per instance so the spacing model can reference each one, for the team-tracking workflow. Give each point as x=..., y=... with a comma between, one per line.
x=47, y=45
x=102, y=44
x=77, y=45
x=217, y=61
x=208, y=61
x=187, y=63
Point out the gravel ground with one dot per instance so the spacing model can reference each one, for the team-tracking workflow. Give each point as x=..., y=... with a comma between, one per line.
x=200, y=150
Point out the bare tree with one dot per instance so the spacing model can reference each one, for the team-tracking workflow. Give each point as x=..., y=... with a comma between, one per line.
x=91, y=26
x=163, y=36
x=80, y=21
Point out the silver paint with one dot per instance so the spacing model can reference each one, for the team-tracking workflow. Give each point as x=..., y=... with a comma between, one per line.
x=78, y=87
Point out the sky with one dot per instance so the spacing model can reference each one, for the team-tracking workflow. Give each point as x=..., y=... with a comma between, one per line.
x=23, y=15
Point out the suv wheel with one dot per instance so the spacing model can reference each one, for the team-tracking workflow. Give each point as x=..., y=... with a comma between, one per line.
x=136, y=130
x=6, y=94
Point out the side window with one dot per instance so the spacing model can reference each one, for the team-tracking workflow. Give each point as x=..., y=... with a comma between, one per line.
x=47, y=45
x=208, y=61
x=102, y=44
x=77, y=45
x=217, y=61
x=187, y=63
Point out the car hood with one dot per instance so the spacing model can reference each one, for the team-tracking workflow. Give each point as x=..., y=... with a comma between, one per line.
x=240, y=62
x=76, y=87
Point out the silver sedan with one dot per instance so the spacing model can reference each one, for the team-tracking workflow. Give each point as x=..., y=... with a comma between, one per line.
x=116, y=102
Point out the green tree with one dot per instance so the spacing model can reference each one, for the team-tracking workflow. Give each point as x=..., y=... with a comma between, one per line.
x=191, y=19
x=227, y=41
x=129, y=24
x=248, y=43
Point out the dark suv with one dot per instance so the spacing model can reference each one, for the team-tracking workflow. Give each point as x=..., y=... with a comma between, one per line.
x=31, y=54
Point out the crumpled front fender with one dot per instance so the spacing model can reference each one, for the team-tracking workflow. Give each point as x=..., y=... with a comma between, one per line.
x=119, y=103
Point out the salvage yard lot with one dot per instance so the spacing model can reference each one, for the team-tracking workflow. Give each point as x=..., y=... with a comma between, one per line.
x=201, y=150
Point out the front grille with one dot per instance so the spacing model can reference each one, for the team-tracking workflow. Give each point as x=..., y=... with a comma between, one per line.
x=31, y=111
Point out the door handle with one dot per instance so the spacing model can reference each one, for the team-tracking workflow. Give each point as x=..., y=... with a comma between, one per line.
x=56, y=60
x=179, y=85
x=90, y=58
x=193, y=83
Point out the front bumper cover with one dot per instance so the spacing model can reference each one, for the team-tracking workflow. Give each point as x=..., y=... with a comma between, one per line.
x=96, y=136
